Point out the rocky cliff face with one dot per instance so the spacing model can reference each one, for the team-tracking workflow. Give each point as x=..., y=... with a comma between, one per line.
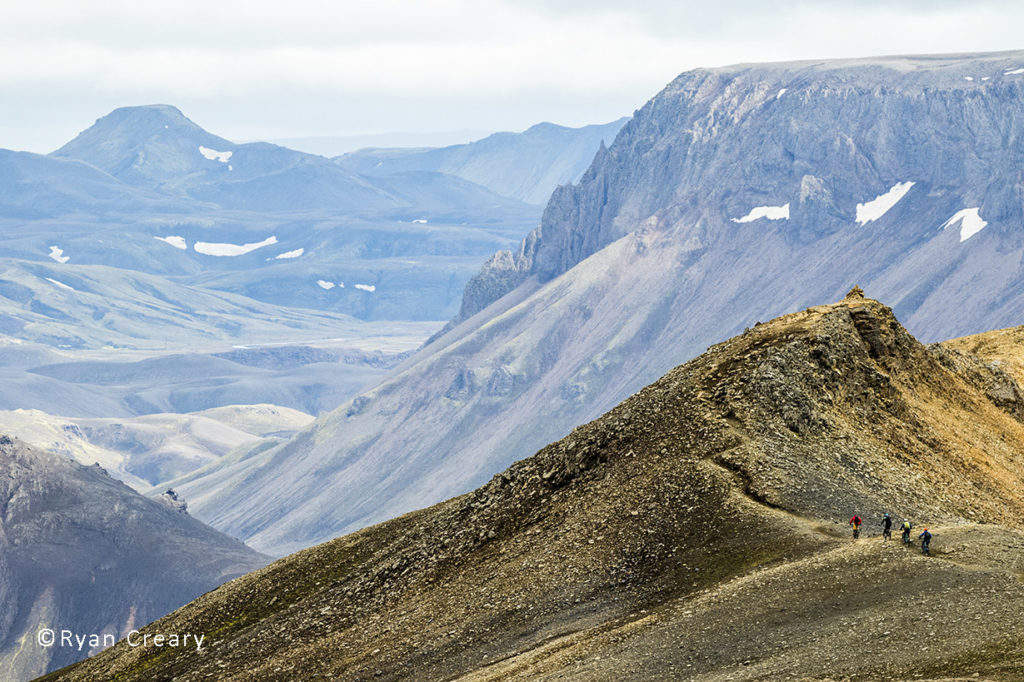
x=696, y=531
x=82, y=552
x=820, y=138
x=734, y=195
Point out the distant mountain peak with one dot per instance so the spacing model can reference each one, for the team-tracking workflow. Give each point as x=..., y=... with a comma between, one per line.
x=148, y=143
x=135, y=124
x=162, y=109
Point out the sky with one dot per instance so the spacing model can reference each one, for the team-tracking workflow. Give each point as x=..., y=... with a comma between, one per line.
x=251, y=69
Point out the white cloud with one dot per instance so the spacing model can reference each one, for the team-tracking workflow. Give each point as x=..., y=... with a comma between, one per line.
x=430, y=65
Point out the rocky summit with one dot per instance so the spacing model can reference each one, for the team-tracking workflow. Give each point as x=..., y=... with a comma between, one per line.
x=696, y=531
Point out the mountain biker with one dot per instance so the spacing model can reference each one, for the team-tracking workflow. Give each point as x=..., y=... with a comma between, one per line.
x=856, y=522
x=886, y=527
x=926, y=539
x=907, y=525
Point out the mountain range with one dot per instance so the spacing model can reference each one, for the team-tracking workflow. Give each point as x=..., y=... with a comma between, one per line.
x=696, y=531
x=147, y=247
x=735, y=194
x=527, y=166
x=146, y=189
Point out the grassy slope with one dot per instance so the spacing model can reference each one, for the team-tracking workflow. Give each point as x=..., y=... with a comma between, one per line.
x=695, y=529
x=1003, y=346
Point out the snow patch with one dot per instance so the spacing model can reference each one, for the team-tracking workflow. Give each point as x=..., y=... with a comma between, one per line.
x=880, y=205
x=290, y=254
x=327, y=286
x=60, y=284
x=1014, y=72
x=174, y=240
x=366, y=287
x=781, y=93
x=769, y=212
x=57, y=254
x=970, y=222
x=214, y=249
x=214, y=155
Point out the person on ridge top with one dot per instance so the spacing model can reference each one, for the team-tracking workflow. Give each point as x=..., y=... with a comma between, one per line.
x=856, y=522
x=907, y=525
x=926, y=539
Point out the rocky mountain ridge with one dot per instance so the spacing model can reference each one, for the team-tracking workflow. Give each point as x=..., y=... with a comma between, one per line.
x=697, y=530
x=676, y=161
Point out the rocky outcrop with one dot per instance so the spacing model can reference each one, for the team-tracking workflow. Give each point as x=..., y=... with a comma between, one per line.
x=171, y=499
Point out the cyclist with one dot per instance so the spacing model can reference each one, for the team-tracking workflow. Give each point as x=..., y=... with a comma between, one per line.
x=926, y=539
x=907, y=525
x=886, y=527
x=856, y=522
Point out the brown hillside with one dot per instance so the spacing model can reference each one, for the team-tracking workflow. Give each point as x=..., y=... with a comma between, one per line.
x=1003, y=347
x=696, y=531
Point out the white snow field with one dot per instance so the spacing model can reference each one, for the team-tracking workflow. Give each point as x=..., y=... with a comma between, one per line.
x=214, y=155
x=174, y=240
x=970, y=222
x=767, y=212
x=219, y=249
x=880, y=205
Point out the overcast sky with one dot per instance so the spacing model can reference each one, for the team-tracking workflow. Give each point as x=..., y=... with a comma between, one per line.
x=250, y=69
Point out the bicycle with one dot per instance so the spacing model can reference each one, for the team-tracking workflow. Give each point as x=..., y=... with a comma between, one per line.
x=856, y=521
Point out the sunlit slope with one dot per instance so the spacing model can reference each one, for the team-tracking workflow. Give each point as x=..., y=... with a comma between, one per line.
x=695, y=531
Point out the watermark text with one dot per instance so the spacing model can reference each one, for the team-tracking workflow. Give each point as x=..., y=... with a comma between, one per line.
x=67, y=639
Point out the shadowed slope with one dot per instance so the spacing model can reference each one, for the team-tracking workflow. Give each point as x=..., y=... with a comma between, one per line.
x=80, y=551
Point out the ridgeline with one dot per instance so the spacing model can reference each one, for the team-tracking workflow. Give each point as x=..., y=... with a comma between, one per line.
x=696, y=531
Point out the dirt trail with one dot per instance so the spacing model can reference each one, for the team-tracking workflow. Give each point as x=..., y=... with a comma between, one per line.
x=862, y=609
